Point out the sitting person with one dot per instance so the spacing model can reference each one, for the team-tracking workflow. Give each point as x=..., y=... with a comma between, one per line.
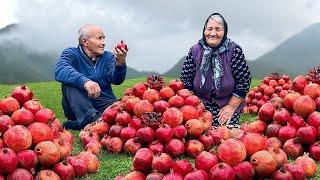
x=86, y=73
x=216, y=71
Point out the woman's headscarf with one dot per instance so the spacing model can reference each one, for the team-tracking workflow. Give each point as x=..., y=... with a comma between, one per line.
x=211, y=56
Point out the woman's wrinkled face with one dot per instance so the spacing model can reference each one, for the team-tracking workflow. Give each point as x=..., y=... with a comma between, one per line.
x=213, y=33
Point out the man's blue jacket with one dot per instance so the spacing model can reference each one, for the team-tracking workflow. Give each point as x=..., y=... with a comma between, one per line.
x=74, y=68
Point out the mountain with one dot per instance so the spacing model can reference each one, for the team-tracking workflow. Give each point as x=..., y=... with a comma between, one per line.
x=294, y=56
x=20, y=64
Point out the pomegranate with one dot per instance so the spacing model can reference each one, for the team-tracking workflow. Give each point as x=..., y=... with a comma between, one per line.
x=142, y=107
x=220, y=133
x=172, y=176
x=145, y=134
x=206, y=140
x=127, y=133
x=290, y=99
x=173, y=117
x=142, y=160
x=287, y=132
x=184, y=93
x=196, y=174
x=194, y=127
x=296, y=170
x=263, y=163
x=232, y=151
x=9, y=105
x=22, y=94
x=307, y=134
x=151, y=95
x=299, y=83
x=281, y=116
x=205, y=161
x=314, y=150
x=27, y=159
x=17, y=138
x=182, y=167
x=282, y=174
x=160, y=106
x=194, y=148
x=304, y=106
x=309, y=165
x=100, y=127
x=266, y=112
x=8, y=161
x=162, y=163
x=166, y=93
x=156, y=147
x=164, y=134
x=135, y=123
x=5, y=123
x=132, y=146
x=47, y=152
x=20, y=173
x=312, y=90
x=44, y=115
x=273, y=130
x=179, y=132
x=154, y=176
x=64, y=148
x=192, y=100
x=253, y=142
x=314, y=119
x=123, y=118
x=122, y=45
x=138, y=89
x=222, y=171
x=22, y=117
x=79, y=166
x=189, y=112
x=279, y=155
x=66, y=136
x=32, y=105
x=273, y=142
x=109, y=115
x=91, y=160
x=115, y=130
x=114, y=145
x=176, y=101
x=244, y=170
x=64, y=170
x=174, y=147
x=296, y=121
x=293, y=148
x=47, y=174
x=129, y=104
x=176, y=85
x=87, y=136
x=40, y=132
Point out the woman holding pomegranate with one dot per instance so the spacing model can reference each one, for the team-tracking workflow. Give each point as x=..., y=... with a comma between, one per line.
x=216, y=71
x=86, y=73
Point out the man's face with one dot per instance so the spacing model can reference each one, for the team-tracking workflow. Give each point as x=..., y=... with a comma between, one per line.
x=95, y=43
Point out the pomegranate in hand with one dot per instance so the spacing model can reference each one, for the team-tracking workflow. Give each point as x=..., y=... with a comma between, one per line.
x=122, y=45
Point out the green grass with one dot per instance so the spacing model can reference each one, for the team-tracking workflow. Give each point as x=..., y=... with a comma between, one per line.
x=49, y=94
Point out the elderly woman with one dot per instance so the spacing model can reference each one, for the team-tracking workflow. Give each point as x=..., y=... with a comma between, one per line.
x=216, y=71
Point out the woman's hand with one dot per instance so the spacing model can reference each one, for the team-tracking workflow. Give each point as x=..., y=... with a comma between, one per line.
x=121, y=55
x=226, y=114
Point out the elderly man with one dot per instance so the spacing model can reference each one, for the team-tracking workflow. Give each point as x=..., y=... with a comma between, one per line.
x=86, y=73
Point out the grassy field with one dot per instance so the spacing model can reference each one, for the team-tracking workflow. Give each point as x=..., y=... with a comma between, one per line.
x=49, y=94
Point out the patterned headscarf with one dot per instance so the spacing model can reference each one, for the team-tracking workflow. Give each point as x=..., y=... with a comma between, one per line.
x=211, y=56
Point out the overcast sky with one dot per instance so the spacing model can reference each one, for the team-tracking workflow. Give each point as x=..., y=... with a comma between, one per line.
x=158, y=32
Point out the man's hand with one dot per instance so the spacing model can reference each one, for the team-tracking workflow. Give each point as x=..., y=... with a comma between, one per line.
x=226, y=114
x=92, y=88
x=120, y=55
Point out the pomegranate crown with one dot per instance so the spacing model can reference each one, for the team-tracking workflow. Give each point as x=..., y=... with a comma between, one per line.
x=155, y=82
x=314, y=75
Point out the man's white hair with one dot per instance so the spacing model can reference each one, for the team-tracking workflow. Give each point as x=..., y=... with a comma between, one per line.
x=83, y=32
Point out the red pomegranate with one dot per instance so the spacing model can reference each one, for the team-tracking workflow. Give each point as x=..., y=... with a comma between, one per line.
x=8, y=161
x=67, y=136
x=40, y=132
x=47, y=152
x=176, y=85
x=138, y=89
x=9, y=105
x=232, y=151
x=123, y=118
x=32, y=105
x=127, y=133
x=166, y=93
x=206, y=120
x=114, y=145
x=182, y=167
x=22, y=94
x=307, y=134
x=132, y=146
x=192, y=100
x=154, y=176
x=172, y=176
x=282, y=174
x=142, y=107
x=27, y=159
x=222, y=171
x=317, y=101
x=196, y=174
x=135, y=123
x=184, y=93
x=263, y=163
x=314, y=150
x=47, y=174
x=129, y=104
x=273, y=142
x=194, y=148
x=296, y=121
x=20, y=173
x=22, y=117
x=296, y=170
x=176, y=101
x=293, y=148
x=115, y=130
x=109, y=115
x=156, y=147
x=100, y=127
x=64, y=148
x=220, y=133
x=64, y=170
x=122, y=45
x=304, y=106
x=17, y=138
x=207, y=141
x=309, y=165
x=189, y=112
x=79, y=166
x=299, y=83
x=266, y=112
x=162, y=163
x=289, y=99
x=160, y=106
x=91, y=160
x=175, y=147
x=142, y=160
x=314, y=119
x=194, y=127
x=145, y=134
x=164, y=133
x=205, y=161
x=179, y=132
x=312, y=90
x=273, y=130
x=87, y=136
x=137, y=175
x=253, y=142
x=279, y=155
x=151, y=95
x=287, y=132
x=5, y=123
x=281, y=116
x=244, y=170
x=44, y=115
x=173, y=117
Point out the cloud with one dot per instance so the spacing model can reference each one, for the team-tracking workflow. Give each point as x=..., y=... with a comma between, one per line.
x=159, y=32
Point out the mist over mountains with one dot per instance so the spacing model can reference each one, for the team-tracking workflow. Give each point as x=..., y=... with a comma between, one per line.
x=294, y=56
